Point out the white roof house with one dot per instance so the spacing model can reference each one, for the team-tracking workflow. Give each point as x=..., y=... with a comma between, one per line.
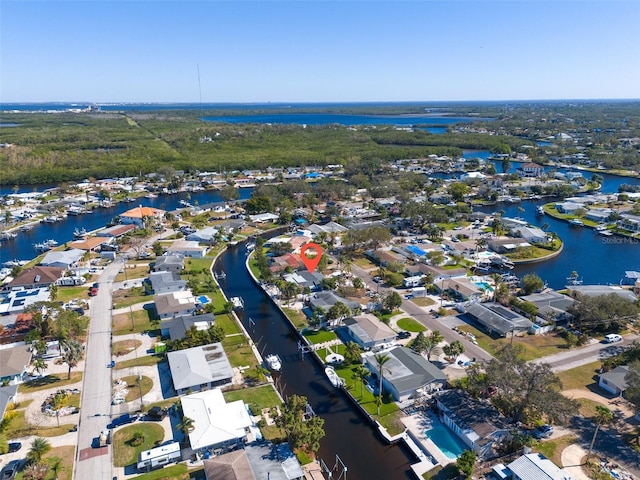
x=65, y=259
x=200, y=367
x=188, y=248
x=216, y=423
x=535, y=466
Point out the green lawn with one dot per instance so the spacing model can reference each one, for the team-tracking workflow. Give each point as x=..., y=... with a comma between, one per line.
x=228, y=323
x=423, y=301
x=123, y=347
x=263, y=396
x=411, y=325
x=174, y=472
x=57, y=380
x=135, y=321
x=320, y=336
x=141, y=271
x=125, y=300
x=134, y=389
x=125, y=452
x=63, y=457
x=533, y=346
x=144, y=361
x=578, y=378
x=364, y=396
x=298, y=318
x=18, y=427
x=66, y=294
x=241, y=356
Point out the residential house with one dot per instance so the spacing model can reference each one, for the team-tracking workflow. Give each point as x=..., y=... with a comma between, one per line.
x=305, y=279
x=8, y=395
x=139, y=215
x=496, y=319
x=176, y=328
x=531, y=170
x=218, y=425
x=599, y=215
x=199, y=368
x=16, y=301
x=327, y=299
x=551, y=304
x=288, y=260
x=13, y=364
x=599, y=290
x=368, y=331
x=506, y=245
x=91, y=244
x=630, y=223
x=480, y=426
x=175, y=303
x=36, y=277
x=208, y=235
x=530, y=234
x=614, y=381
x=254, y=462
x=169, y=263
x=166, y=282
x=67, y=259
x=263, y=218
x=568, y=208
x=462, y=289
x=116, y=231
x=406, y=373
x=531, y=466
x=188, y=248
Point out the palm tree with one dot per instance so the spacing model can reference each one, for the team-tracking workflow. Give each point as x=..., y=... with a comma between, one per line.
x=361, y=373
x=55, y=466
x=72, y=355
x=381, y=359
x=433, y=340
x=39, y=365
x=603, y=415
x=186, y=425
x=39, y=447
x=4, y=445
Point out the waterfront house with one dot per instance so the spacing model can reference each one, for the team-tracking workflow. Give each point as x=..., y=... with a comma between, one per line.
x=530, y=466
x=282, y=262
x=116, y=231
x=599, y=215
x=218, y=425
x=200, y=368
x=478, y=424
x=91, y=244
x=36, y=277
x=568, y=208
x=175, y=303
x=631, y=223
x=551, y=304
x=169, y=263
x=208, y=235
x=255, y=461
x=67, y=259
x=530, y=234
x=139, y=215
x=188, y=248
x=368, y=331
x=327, y=299
x=329, y=227
x=13, y=364
x=176, y=328
x=614, y=381
x=496, y=319
x=166, y=282
x=462, y=289
x=305, y=279
x=599, y=290
x=531, y=170
x=405, y=373
x=506, y=245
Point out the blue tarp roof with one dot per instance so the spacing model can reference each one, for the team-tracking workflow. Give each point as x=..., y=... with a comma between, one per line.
x=416, y=250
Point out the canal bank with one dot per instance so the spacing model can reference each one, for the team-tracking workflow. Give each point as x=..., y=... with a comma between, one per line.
x=348, y=432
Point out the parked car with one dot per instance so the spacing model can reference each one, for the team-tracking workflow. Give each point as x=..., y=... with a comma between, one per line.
x=612, y=338
x=93, y=291
x=402, y=335
x=10, y=470
x=543, y=431
x=157, y=413
x=14, y=446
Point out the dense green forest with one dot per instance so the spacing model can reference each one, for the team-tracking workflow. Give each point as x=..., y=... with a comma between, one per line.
x=47, y=147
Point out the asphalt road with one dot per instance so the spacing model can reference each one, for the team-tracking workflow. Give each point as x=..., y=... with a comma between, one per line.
x=97, y=463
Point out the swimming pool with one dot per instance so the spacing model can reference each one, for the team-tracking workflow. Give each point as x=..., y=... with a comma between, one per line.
x=446, y=441
x=416, y=250
x=203, y=299
x=484, y=286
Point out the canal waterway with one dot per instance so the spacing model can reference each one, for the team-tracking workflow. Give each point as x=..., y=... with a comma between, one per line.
x=348, y=433
x=21, y=248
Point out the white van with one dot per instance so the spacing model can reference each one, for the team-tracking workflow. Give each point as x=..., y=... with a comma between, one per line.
x=612, y=338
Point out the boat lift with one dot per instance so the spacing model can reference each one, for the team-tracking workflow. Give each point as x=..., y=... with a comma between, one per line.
x=340, y=468
x=220, y=275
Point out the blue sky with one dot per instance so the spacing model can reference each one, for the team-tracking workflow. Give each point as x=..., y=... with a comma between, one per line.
x=318, y=51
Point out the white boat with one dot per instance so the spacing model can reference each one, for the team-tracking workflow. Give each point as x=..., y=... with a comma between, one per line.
x=576, y=222
x=79, y=233
x=42, y=247
x=606, y=233
x=52, y=243
x=333, y=377
x=75, y=210
x=49, y=219
x=273, y=362
x=8, y=235
x=238, y=303
x=540, y=210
